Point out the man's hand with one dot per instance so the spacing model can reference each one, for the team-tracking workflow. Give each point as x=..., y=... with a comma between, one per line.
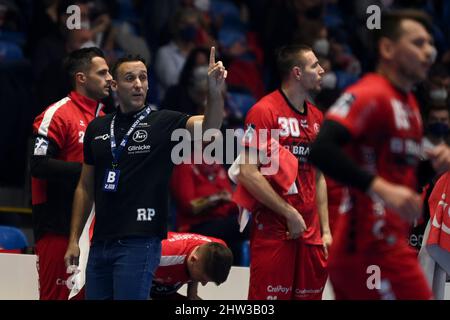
x=440, y=158
x=72, y=254
x=295, y=224
x=216, y=74
x=406, y=202
x=327, y=240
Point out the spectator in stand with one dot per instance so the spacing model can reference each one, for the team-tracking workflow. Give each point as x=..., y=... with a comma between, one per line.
x=202, y=194
x=189, y=94
x=170, y=58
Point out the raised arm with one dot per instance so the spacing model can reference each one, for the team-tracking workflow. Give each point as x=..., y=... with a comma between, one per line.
x=214, y=110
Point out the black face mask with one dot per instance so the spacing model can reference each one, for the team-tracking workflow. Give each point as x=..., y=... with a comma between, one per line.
x=188, y=33
x=314, y=13
x=438, y=129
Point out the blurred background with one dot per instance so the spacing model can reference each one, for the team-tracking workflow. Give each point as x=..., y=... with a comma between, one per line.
x=174, y=36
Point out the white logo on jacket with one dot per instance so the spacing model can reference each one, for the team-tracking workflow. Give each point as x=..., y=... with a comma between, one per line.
x=140, y=136
x=41, y=146
x=145, y=214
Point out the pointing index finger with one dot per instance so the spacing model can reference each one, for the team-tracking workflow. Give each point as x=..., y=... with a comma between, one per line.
x=212, y=57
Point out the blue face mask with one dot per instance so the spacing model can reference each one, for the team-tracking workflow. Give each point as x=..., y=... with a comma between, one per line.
x=438, y=129
x=188, y=33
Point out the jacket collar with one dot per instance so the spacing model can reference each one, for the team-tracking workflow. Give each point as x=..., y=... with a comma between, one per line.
x=86, y=104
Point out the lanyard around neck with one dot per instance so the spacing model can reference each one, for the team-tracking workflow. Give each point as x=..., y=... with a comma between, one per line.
x=117, y=150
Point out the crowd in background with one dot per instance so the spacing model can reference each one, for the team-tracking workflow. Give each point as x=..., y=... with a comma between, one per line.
x=174, y=37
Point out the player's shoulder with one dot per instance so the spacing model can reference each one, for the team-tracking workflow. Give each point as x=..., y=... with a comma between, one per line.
x=313, y=109
x=268, y=102
x=102, y=121
x=57, y=109
x=371, y=86
x=266, y=107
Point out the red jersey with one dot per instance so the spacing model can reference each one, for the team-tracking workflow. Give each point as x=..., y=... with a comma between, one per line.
x=386, y=130
x=172, y=272
x=59, y=133
x=191, y=181
x=297, y=132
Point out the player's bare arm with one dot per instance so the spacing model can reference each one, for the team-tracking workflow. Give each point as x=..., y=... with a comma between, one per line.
x=255, y=183
x=322, y=208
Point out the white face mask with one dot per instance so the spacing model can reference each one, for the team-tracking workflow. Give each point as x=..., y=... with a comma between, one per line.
x=329, y=80
x=202, y=5
x=200, y=77
x=438, y=94
x=85, y=24
x=321, y=46
x=88, y=44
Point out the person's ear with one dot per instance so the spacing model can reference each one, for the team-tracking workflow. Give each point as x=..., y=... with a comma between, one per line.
x=386, y=48
x=80, y=77
x=195, y=257
x=114, y=85
x=297, y=72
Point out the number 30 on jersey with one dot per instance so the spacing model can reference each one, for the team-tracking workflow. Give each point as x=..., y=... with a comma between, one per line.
x=289, y=127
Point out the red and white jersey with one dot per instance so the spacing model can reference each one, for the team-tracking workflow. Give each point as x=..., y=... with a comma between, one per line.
x=65, y=123
x=59, y=133
x=172, y=271
x=386, y=129
x=296, y=133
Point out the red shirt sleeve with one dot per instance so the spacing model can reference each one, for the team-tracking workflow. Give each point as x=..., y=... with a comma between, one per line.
x=260, y=116
x=53, y=126
x=361, y=112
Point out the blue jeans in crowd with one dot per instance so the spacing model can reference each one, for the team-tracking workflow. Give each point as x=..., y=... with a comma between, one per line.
x=122, y=269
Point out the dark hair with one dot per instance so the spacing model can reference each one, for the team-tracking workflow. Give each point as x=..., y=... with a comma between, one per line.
x=80, y=60
x=290, y=56
x=391, y=23
x=217, y=261
x=124, y=59
x=190, y=64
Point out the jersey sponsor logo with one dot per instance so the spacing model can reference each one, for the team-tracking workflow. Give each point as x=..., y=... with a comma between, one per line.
x=40, y=146
x=82, y=124
x=304, y=123
x=342, y=106
x=278, y=288
x=102, y=137
x=401, y=115
x=408, y=147
x=139, y=149
x=140, y=136
x=60, y=282
x=301, y=151
x=145, y=214
x=304, y=292
x=316, y=127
